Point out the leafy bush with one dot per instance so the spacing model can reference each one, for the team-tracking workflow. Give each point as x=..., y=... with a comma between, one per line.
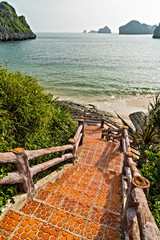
x=151, y=171
x=29, y=119
x=149, y=138
x=148, y=142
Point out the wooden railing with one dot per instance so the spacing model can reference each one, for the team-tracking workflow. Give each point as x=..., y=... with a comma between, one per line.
x=137, y=219
x=21, y=157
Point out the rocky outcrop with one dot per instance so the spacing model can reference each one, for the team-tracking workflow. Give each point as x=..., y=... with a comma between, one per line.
x=85, y=31
x=135, y=27
x=88, y=110
x=157, y=32
x=12, y=27
x=104, y=30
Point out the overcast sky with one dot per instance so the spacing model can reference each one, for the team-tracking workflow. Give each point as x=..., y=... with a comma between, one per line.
x=77, y=15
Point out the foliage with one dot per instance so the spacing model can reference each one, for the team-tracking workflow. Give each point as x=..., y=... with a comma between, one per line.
x=29, y=119
x=149, y=138
x=9, y=17
x=151, y=171
x=148, y=142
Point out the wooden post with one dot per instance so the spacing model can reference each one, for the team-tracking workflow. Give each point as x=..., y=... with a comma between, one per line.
x=73, y=142
x=147, y=226
x=62, y=153
x=121, y=141
x=125, y=134
x=81, y=121
x=102, y=123
x=103, y=130
x=132, y=224
x=24, y=169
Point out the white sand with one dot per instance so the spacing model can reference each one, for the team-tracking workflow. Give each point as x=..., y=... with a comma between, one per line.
x=125, y=106
x=122, y=106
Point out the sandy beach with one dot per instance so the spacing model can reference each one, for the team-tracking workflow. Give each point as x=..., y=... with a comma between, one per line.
x=122, y=106
x=125, y=106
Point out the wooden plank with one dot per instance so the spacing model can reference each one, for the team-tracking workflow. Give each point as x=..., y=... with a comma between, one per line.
x=137, y=120
x=130, y=130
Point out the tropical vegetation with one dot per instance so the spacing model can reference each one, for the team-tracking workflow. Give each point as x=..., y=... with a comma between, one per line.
x=148, y=142
x=9, y=17
x=29, y=118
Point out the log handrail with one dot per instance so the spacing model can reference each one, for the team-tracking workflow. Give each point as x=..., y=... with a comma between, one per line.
x=7, y=157
x=21, y=157
x=41, y=152
x=137, y=218
x=103, y=121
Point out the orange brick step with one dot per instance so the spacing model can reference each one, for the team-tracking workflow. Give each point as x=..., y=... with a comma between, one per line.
x=84, y=203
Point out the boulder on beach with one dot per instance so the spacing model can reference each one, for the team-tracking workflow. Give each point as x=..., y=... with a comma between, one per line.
x=13, y=27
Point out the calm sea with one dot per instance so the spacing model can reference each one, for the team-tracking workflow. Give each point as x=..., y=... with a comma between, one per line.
x=88, y=65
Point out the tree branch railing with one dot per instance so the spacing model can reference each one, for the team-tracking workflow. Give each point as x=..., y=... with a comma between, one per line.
x=137, y=217
x=21, y=157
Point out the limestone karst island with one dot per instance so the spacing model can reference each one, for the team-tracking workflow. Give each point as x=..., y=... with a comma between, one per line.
x=157, y=32
x=13, y=27
x=135, y=27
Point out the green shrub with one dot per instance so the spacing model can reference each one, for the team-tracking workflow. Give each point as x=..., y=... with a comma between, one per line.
x=148, y=142
x=151, y=171
x=149, y=138
x=29, y=119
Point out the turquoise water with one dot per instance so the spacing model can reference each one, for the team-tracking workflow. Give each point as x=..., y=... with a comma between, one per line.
x=88, y=65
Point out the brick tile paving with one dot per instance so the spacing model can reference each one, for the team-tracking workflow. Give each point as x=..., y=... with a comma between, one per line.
x=84, y=203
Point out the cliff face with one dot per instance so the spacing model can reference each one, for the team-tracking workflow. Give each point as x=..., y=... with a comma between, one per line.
x=13, y=27
x=135, y=27
x=104, y=30
x=157, y=32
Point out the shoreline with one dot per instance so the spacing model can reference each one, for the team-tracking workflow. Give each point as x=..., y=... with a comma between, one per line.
x=107, y=108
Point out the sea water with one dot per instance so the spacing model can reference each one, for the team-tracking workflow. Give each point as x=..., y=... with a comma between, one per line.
x=88, y=66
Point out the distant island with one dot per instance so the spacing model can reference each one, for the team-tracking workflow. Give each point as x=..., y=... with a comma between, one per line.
x=104, y=30
x=93, y=31
x=135, y=27
x=101, y=30
x=157, y=32
x=12, y=27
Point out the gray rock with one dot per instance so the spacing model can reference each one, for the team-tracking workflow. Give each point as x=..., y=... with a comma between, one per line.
x=157, y=32
x=93, y=31
x=135, y=27
x=104, y=30
x=88, y=110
